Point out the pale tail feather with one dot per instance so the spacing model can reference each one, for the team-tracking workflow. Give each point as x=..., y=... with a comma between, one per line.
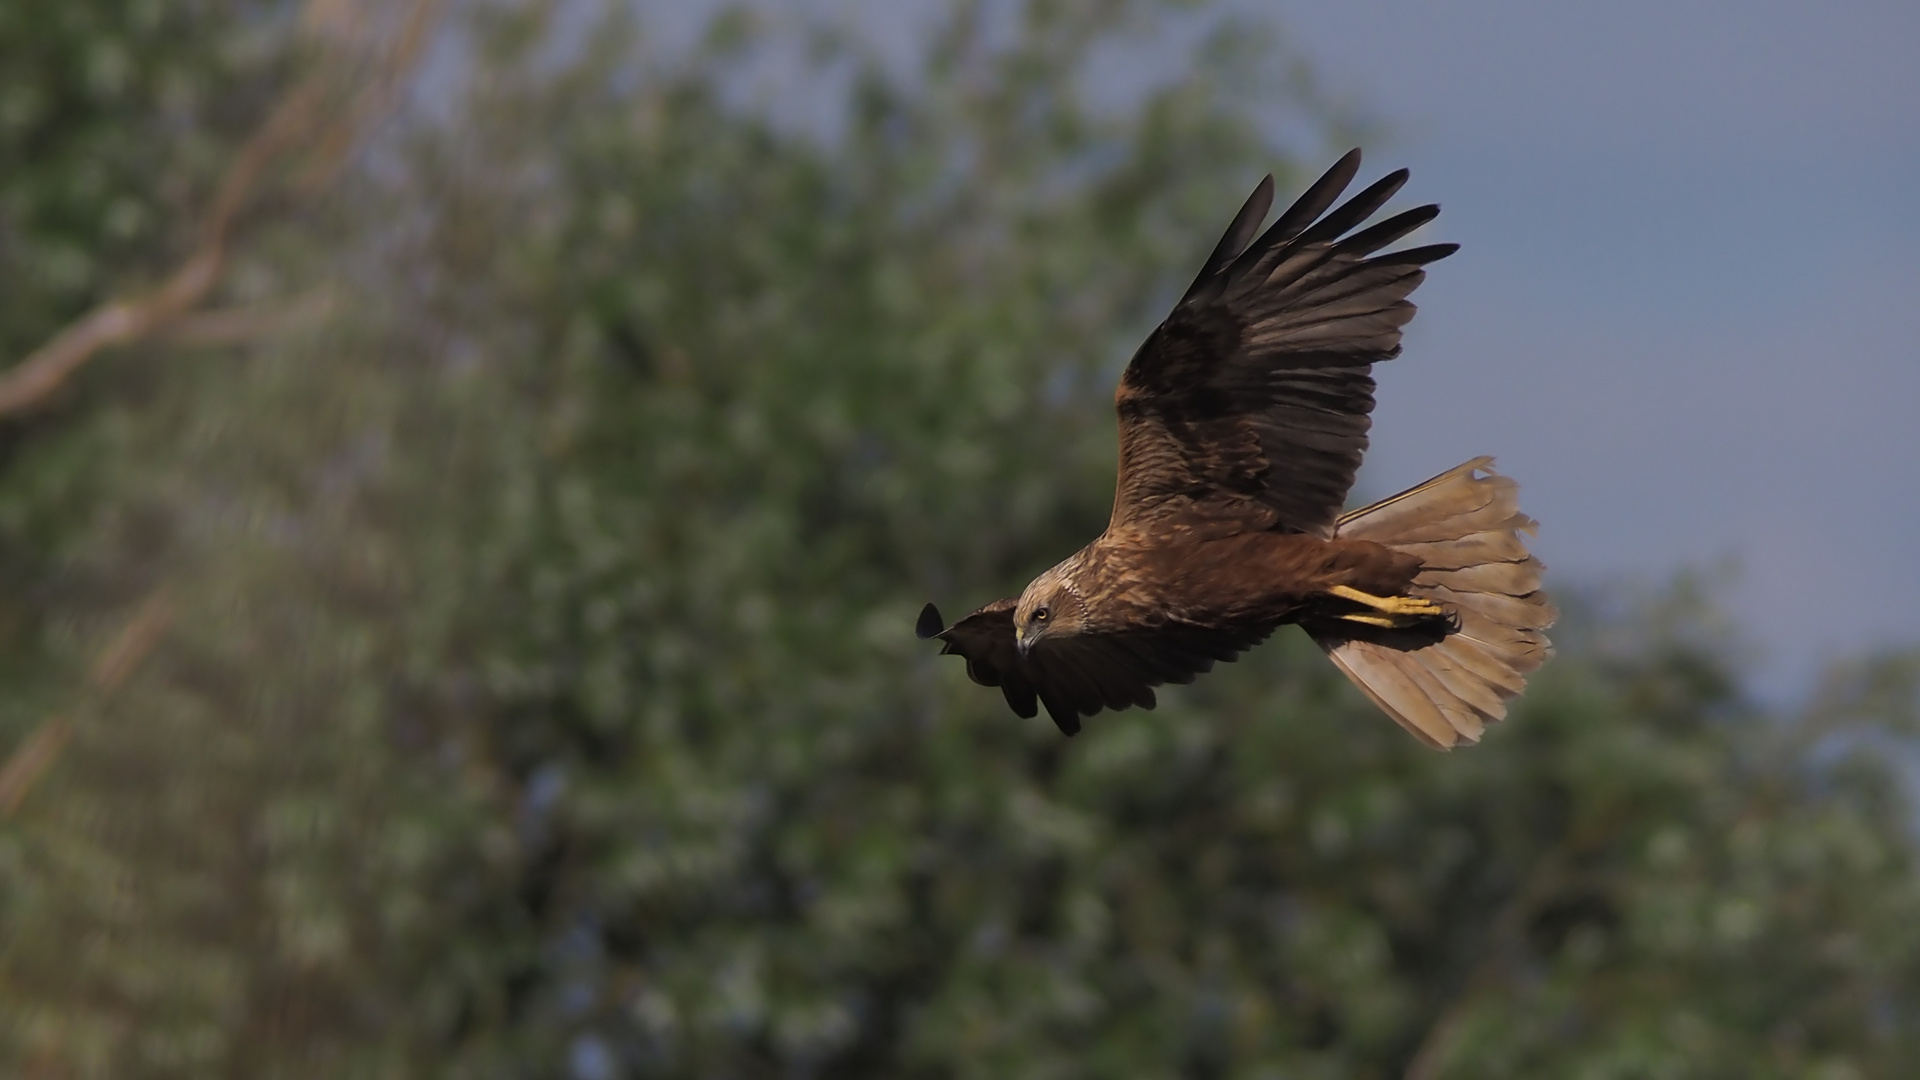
x=1465, y=526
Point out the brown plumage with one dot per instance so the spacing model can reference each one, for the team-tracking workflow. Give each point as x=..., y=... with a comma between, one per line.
x=1243, y=418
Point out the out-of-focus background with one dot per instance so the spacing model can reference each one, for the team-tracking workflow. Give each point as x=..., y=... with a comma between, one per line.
x=468, y=471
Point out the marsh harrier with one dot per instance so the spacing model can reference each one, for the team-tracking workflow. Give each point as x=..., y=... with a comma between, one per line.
x=1243, y=418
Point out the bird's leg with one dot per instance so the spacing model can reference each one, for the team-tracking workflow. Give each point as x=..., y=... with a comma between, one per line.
x=1387, y=621
x=1390, y=605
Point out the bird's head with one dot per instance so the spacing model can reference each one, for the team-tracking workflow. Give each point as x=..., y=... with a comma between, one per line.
x=1050, y=608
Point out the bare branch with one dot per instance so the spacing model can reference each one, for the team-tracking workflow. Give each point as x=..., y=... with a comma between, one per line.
x=30, y=759
x=45, y=369
x=298, y=122
x=135, y=640
x=374, y=101
x=39, y=750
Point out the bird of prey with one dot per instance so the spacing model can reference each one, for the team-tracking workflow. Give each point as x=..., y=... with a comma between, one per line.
x=1243, y=418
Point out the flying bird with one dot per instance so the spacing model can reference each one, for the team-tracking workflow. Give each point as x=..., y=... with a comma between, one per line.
x=1243, y=418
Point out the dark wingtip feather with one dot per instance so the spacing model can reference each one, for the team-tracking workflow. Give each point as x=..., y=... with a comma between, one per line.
x=1233, y=241
x=1065, y=716
x=1020, y=698
x=1374, y=237
x=930, y=624
x=1314, y=201
x=1311, y=204
x=1419, y=256
x=1245, y=224
x=1357, y=209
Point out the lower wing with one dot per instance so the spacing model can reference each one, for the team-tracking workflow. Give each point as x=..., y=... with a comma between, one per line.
x=1078, y=675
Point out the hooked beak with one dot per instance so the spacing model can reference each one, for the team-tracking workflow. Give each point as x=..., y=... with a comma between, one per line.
x=1022, y=642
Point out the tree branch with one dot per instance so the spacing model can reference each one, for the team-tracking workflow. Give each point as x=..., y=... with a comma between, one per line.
x=297, y=123
x=39, y=750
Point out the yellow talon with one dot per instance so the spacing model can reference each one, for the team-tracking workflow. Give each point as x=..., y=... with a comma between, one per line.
x=1404, y=606
x=1386, y=621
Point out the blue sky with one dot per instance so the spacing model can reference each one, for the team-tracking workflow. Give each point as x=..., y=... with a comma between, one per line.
x=1686, y=310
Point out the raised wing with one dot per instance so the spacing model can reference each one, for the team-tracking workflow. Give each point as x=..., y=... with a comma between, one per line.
x=1078, y=675
x=1249, y=406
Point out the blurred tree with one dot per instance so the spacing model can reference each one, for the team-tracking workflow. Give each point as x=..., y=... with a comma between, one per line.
x=189, y=883
x=116, y=119
x=539, y=696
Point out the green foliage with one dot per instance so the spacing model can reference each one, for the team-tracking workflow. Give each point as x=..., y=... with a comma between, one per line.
x=541, y=697
x=115, y=117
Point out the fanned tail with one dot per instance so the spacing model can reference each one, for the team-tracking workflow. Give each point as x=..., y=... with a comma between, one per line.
x=1464, y=525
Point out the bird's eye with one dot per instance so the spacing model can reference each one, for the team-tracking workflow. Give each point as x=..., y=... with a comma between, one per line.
x=1040, y=614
